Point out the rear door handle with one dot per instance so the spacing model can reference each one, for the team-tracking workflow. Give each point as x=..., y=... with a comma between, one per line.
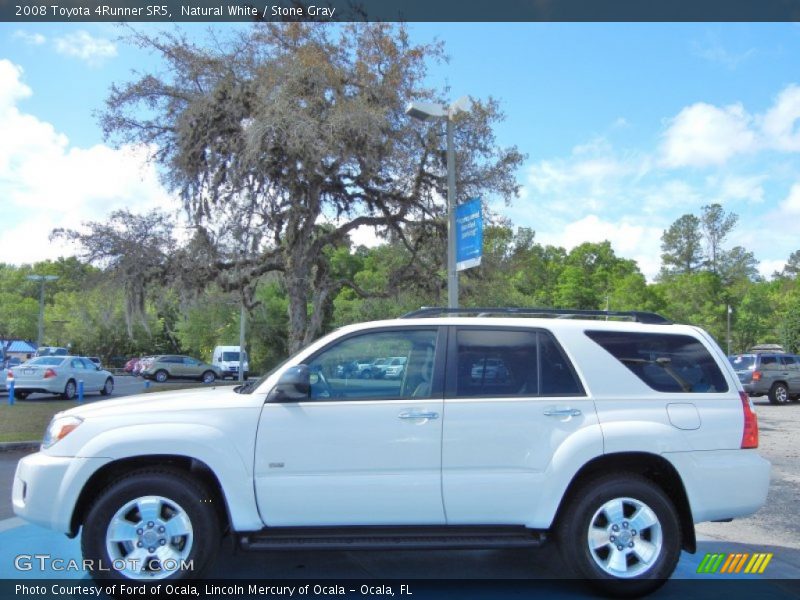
x=415, y=414
x=563, y=412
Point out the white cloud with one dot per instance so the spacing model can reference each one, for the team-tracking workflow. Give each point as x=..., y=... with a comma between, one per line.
x=778, y=123
x=45, y=182
x=365, y=236
x=628, y=238
x=769, y=267
x=713, y=51
x=702, y=135
x=791, y=204
x=94, y=51
x=31, y=39
x=11, y=88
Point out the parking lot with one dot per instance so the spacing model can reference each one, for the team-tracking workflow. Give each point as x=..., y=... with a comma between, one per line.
x=774, y=529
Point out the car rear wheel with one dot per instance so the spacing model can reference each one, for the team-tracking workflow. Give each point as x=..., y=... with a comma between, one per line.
x=150, y=525
x=622, y=534
x=161, y=376
x=208, y=377
x=778, y=394
x=69, y=390
x=108, y=387
x=21, y=395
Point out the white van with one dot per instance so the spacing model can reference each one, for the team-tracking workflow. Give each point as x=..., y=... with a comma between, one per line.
x=227, y=359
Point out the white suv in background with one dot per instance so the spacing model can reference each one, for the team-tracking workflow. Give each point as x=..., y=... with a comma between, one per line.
x=611, y=437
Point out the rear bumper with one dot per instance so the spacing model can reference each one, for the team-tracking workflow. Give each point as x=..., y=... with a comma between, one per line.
x=722, y=484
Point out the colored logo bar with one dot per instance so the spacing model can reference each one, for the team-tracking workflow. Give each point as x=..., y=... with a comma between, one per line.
x=735, y=563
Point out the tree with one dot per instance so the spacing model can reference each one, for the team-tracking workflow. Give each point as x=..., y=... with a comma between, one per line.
x=134, y=249
x=716, y=225
x=681, y=247
x=284, y=139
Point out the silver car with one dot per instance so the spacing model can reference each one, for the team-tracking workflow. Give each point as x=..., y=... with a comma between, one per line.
x=60, y=375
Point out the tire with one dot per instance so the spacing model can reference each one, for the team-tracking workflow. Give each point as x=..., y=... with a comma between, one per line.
x=70, y=390
x=609, y=507
x=107, y=388
x=21, y=395
x=778, y=394
x=161, y=376
x=178, y=516
x=208, y=377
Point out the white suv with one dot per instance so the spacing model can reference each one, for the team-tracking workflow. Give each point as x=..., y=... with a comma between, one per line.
x=612, y=437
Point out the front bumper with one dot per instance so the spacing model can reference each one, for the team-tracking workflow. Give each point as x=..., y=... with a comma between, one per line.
x=46, y=488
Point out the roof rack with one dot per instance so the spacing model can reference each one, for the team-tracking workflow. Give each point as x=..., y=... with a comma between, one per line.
x=561, y=313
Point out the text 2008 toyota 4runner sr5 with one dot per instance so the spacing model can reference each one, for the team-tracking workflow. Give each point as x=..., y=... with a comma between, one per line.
x=613, y=437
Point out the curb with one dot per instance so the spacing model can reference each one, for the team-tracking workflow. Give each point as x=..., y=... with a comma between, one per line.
x=12, y=446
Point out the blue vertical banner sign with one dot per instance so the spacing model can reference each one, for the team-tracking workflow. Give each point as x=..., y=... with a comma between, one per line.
x=469, y=234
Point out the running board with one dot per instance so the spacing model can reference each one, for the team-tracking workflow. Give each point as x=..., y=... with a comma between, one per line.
x=390, y=538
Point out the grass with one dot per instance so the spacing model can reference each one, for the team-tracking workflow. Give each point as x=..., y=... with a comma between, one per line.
x=27, y=419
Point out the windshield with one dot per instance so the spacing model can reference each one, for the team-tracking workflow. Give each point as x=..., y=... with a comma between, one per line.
x=230, y=356
x=743, y=362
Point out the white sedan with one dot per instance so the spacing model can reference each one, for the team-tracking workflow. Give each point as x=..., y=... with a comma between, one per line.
x=60, y=375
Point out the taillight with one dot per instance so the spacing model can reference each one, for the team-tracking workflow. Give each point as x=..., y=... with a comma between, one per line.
x=10, y=374
x=750, y=433
x=756, y=375
x=49, y=373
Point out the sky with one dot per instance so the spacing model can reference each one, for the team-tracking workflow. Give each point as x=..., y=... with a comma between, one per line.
x=626, y=127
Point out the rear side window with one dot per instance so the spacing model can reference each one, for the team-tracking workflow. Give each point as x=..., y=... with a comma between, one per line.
x=502, y=363
x=665, y=362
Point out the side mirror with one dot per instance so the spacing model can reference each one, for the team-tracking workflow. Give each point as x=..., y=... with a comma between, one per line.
x=294, y=385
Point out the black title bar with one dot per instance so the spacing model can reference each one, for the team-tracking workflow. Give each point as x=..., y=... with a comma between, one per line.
x=399, y=10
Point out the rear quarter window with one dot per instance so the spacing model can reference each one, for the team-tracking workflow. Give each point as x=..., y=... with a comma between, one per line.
x=665, y=362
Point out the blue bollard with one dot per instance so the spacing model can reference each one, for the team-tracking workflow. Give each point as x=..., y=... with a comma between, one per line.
x=10, y=386
x=80, y=390
x=146, y=383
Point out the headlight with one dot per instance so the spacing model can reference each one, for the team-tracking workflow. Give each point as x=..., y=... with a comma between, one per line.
x=59, y=428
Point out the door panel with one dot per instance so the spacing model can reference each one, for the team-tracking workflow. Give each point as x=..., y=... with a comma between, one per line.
x=350, y=463
x=359, y=451
x=512, y=401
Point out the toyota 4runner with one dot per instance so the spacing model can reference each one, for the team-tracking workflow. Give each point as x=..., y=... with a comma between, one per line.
x=611, y=437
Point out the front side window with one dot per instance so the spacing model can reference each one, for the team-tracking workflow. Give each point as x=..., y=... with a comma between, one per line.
x=351, y=369
x=665, y=362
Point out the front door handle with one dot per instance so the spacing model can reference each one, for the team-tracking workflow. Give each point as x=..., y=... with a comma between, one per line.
x=415, y=414
x=563, y=412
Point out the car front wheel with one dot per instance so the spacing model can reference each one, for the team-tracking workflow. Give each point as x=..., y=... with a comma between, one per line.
x=208, y=377
x=152, y=524
x=622, y=534
x=161, y=376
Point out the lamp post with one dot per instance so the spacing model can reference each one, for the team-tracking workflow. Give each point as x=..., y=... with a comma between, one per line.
x=429, y=110
x=730, y=311
x=41, y=279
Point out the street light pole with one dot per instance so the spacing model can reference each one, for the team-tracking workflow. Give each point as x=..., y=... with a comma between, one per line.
x=730, y=310
x=41, y=279
x=427, y=110
x=241, y=341
x=452, y=274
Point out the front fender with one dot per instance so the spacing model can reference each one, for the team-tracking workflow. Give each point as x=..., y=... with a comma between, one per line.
x=229, y=461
